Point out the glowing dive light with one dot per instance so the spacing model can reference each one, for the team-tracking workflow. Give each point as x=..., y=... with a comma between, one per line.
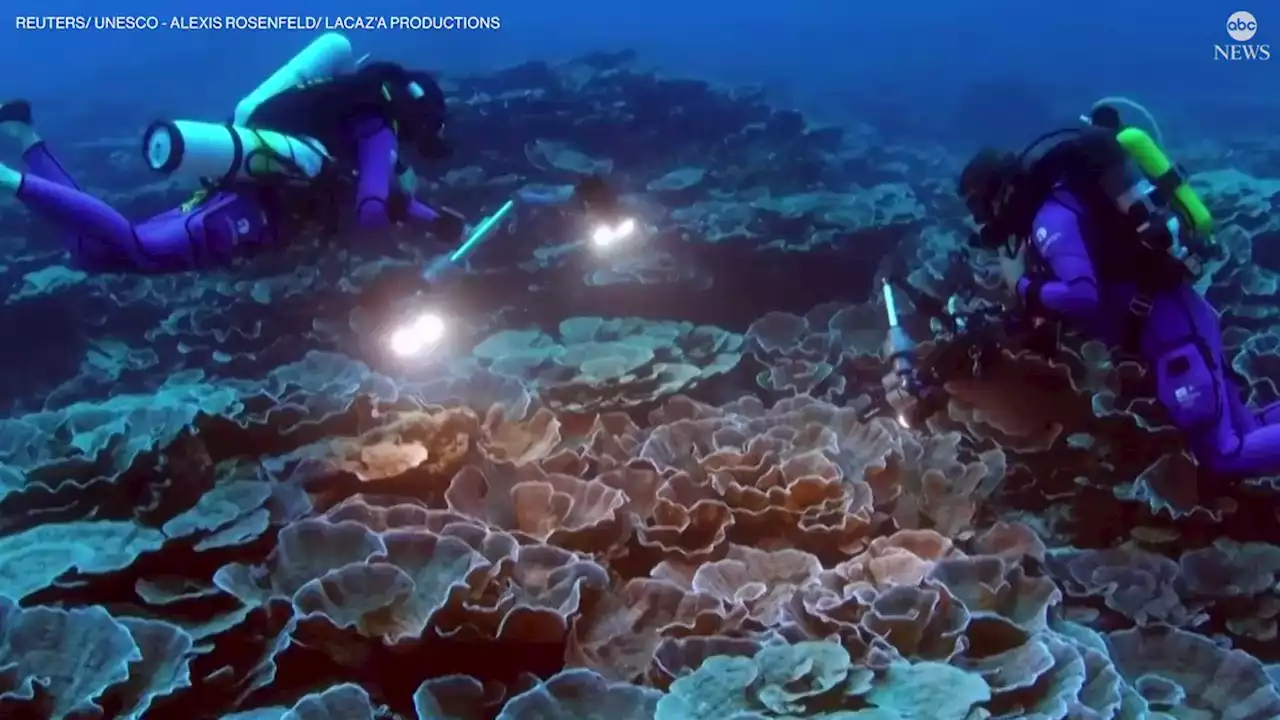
x=420, y=335
x=890, y=303
x=891, y=313
x=608, y=235
x=900, y=349
x=482, y=232
x=593, y=198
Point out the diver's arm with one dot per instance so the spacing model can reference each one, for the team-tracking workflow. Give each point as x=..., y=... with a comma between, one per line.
x=376, y=168
x=1072, y=288
x=417, y=211
x=377, y=205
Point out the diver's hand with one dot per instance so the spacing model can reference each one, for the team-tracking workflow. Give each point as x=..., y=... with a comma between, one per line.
x=407, y=182
x=449, y=225
x=1013, y=267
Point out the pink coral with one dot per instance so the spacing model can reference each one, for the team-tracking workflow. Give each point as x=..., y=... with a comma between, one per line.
x=553, y=507
x=989, y=585
x=758, y=580
x=906, y=557
x=620, y=635
x=483, y=532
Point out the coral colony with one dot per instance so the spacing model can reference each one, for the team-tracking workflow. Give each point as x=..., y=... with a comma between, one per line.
x=644, y=484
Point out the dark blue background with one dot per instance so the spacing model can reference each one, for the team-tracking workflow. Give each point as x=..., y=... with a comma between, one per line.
x=822, y=55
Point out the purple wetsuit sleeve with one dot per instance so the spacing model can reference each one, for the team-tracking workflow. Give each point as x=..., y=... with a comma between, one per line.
x=376, y=154
x=1072, y=289
x=376, y=159
x=422, y=212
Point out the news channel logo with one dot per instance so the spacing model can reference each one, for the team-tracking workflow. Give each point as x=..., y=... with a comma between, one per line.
x=1242, y=27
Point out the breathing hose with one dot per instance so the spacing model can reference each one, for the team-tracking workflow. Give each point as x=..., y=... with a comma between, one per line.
x=1137, y=107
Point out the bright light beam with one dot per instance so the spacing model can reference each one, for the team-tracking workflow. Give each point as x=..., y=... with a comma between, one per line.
x=606, y=236
x=424, y=333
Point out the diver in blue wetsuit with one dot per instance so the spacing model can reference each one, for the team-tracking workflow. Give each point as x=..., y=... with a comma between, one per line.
x=1106, y=236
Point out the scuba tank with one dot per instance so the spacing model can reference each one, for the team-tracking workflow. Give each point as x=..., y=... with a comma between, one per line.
x=327, y=57
x=1121, y=174
x=1145, y=150
x=1155, y=194
x=410, y=102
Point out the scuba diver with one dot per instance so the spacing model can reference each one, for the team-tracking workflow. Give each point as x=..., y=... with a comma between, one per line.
x=269, y=184
x=1103, y=233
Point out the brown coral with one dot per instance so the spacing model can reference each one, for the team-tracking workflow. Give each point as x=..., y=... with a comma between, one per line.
x=553, y=507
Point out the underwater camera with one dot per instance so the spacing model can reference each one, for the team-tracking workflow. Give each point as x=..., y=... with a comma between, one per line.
x=599, y=204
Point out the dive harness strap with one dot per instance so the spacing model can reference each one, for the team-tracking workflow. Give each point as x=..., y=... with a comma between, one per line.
x=1168, y=183
x=237, y=159
x=1031, y=298
x=1135, y=322
x=209, y=186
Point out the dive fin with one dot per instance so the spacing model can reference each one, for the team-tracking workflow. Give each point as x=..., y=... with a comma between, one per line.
x=15, y=111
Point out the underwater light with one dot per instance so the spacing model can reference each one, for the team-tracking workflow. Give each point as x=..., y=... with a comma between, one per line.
x=420, y=335
x=902, y=420
x=607, y=235
x=602, y=208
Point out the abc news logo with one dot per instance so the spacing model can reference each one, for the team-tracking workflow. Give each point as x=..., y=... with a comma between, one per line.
x=1242, y=27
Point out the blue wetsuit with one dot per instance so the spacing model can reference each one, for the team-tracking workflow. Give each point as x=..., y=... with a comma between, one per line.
x=1180, y=342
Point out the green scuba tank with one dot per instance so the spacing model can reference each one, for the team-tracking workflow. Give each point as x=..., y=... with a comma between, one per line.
x=1154, y=193
x=1140, y=234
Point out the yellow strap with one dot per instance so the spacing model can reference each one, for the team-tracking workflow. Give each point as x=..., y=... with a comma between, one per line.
x=198, y=197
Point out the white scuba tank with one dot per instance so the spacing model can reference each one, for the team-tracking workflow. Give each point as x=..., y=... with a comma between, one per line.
x=327, y=56
x=193, y=150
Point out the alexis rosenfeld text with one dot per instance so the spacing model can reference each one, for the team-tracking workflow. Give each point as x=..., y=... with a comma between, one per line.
x=257, y=22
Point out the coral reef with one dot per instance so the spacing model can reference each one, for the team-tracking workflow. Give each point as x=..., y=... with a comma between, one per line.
x=647, y=485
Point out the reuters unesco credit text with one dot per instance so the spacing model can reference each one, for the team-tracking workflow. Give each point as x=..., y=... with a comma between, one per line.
x=74, y=23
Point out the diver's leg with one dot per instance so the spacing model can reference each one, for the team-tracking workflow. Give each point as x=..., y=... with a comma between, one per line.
x=16, y=122
x=225, y=225
x=41, y=162
x=49, y=190
x=99, y=237
x=1205, y=405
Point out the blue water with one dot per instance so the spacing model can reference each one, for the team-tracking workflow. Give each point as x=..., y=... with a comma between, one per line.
x=821, y=55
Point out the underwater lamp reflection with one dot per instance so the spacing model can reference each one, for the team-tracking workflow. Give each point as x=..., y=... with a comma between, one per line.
x=902, y=420
x=418, y=336
x=607, y=235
